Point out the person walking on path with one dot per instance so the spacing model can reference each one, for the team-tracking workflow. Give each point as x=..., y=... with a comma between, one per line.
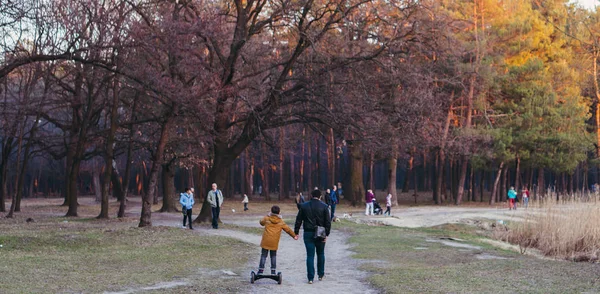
x=525, y=197
x=369, y=200
x=215, y=198
x=388, y=205
x=512, y=199
x=314, y=213
x=245, y=201
x=269, y=244
x=327, y=198
x=186, y=200
x=334, y=199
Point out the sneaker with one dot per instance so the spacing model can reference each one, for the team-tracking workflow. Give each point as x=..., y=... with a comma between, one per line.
x=321, y=278
x=260, y=271
x=310, y=282
x=273, y=272
x=183, y=226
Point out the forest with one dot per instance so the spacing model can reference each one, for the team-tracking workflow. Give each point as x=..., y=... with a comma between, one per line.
x=454, y=100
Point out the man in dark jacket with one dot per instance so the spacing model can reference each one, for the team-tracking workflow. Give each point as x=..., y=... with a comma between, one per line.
x=312, y=214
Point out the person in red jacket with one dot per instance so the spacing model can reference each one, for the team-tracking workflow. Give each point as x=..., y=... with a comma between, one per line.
x=369, y=200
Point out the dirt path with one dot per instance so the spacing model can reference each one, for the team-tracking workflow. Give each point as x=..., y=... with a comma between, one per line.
x=429, y=216
x=341, y=270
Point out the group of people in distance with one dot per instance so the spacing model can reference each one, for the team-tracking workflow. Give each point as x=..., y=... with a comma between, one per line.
x=513, y=198
x=371, y=204
x=214, y=197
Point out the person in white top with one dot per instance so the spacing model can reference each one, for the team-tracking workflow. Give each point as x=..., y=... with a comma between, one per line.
x=525, y=196
x=245, y=201
x=388, y=205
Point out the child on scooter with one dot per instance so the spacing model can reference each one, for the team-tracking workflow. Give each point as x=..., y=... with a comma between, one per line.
x=269, y=244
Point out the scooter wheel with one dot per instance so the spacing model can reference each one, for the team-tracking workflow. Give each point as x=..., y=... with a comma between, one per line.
x=279, y=279
x=252, y=277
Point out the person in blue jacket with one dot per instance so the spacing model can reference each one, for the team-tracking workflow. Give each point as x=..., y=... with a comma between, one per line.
x=187, y=202
x=334, y=199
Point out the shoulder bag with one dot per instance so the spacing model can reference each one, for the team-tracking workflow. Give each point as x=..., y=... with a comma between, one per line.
x=320, y=232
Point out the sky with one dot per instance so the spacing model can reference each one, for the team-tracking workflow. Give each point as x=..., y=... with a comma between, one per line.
x=588, y=3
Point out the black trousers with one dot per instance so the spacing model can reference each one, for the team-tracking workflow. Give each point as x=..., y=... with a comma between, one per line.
x=188, y=216
x=215, y=217
x=263, y=258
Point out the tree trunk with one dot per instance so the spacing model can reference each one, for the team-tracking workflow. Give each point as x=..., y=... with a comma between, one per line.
x=436, y=171
x=541, y=189
x=242, y=171
x=461, y=180
x=109, y=156
x=392, y=166
x=426, y=174
x=518, y=174
x=117, y=186
x=126, y=175
x=13, y=203
x=168, y=185
x=496, y=181
x=249, y=173
x=585, y=176
x=570, y=185
x=408, y=175
x=281, y=162
x=68, y=165
x=97, y=185
x=26, y=156
x=302, y=156
x=371, y=174
x=3, y=182
x=467, y=125
x=333, y=179
x=293, y=173
x=318, y=163
x=597, y=100
x=481, y=184
x=563, y=186
x=471, y=186
x=505, y=183
x=267, y=172
x=442, y=156
x=455, y=174
x=7, y=148
x=576, y=180
x=72, y=190
x=309, y=170
x=157, y=156
x=356, y=187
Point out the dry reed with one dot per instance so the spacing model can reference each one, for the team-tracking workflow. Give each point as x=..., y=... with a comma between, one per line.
x=567, y=228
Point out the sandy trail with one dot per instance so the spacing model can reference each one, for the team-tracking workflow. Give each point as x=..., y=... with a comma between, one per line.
x=429, y=216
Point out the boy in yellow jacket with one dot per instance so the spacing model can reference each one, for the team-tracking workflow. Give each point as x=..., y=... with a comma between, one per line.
x=273, y=224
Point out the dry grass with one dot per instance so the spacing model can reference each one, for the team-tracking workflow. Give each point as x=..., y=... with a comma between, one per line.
x=567, y=229
x=54, y=254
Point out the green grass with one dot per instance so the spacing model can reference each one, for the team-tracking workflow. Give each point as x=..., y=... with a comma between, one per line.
x=51, y=256
x=398, y=267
